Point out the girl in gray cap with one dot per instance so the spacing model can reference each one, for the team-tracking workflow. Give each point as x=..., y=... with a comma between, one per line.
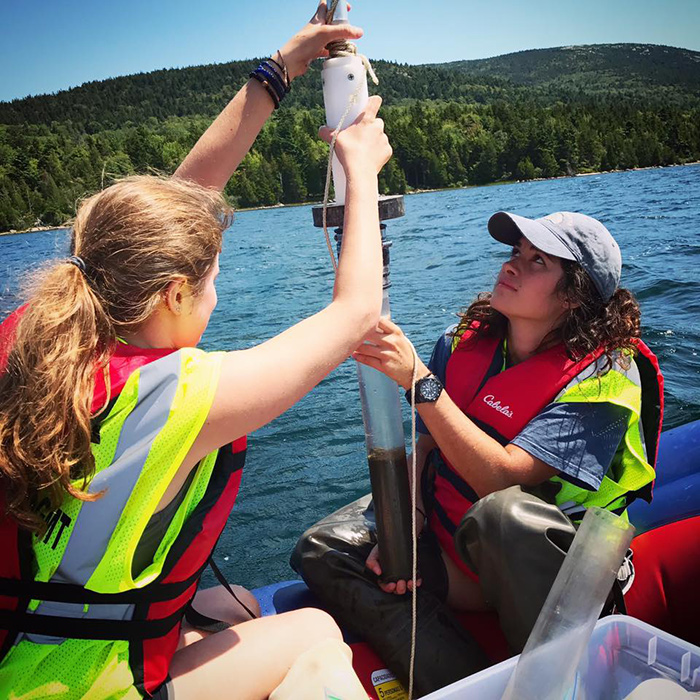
x=530, y=411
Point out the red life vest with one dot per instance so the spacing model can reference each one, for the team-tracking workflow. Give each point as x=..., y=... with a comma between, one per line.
x=154, y=629
x=506, y=402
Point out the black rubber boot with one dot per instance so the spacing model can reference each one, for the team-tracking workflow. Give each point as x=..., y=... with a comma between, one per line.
x=331, y=557
x=516, y=543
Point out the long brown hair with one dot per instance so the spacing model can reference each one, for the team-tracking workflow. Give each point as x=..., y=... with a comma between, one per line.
x=589, y=324
x=135, y=238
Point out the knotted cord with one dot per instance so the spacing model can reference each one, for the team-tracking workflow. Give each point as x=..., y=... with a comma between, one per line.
x=337, y=49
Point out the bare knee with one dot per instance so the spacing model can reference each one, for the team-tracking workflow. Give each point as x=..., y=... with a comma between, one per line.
x=218, y=603
x=316, y=625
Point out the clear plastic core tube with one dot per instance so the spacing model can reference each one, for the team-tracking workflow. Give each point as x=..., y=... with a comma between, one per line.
x=386, y=455
x=547, y=667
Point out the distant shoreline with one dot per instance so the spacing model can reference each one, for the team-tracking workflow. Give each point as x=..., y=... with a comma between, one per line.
x=39, y=229
x=36, y=229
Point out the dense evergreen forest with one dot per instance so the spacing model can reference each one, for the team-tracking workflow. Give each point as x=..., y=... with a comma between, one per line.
x=532, y=114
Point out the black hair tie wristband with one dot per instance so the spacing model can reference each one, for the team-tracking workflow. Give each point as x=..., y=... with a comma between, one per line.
x=270, y=90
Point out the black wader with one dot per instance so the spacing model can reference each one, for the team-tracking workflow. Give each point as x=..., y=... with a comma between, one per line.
x=331, y=557
x=514, y=540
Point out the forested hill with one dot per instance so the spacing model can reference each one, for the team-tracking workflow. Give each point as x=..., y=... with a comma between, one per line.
x=593, y=68
x=538, y=113
x=204, y=90
x=642, y=71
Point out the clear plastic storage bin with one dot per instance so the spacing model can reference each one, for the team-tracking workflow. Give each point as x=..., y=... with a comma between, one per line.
x=622, y=653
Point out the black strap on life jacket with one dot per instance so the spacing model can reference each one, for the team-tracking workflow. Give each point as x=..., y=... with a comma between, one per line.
x=209, y=624
x=21, y=620
x=71, y=593
x=79, y=628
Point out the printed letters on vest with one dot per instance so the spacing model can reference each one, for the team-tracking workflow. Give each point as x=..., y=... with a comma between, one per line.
x=148, y=617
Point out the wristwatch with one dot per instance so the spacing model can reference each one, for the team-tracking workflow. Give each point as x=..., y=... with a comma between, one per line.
x=428, y=390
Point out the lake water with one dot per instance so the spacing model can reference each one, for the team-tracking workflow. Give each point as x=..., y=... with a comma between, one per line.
x=275, y=269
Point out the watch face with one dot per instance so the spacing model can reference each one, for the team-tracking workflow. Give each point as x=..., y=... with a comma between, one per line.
x=430, y=389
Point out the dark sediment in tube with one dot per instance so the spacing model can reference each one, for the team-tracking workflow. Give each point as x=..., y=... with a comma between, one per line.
x=392, y=505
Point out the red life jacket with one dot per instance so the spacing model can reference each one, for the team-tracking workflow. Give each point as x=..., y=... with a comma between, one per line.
x=154, y=630
x=506, y=402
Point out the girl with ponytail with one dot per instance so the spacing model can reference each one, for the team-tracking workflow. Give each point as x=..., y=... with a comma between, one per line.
x=130, y=242
x=122, y=444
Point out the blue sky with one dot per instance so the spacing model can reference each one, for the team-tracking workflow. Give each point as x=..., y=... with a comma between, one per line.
x=50, y=45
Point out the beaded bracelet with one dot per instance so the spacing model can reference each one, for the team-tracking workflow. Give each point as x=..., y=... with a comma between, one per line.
x=273, y=78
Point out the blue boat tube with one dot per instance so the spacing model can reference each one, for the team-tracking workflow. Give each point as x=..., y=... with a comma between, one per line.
x=677, y=486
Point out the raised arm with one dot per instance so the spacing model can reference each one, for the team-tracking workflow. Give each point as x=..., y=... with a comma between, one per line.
x=225, y=143
x=258, y=384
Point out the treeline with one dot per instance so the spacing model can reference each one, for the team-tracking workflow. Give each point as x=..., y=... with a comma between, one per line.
x=595, y=68
x=45, y=170
x=654, y=75
x=533, y=114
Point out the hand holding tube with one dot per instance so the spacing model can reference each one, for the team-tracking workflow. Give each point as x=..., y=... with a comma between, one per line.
x=310, y=42
x=388, y=350
x=363, y=146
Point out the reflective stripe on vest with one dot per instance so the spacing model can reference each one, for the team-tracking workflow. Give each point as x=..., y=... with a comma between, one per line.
x=506, y=402
x=630, y=470
x=83, y=589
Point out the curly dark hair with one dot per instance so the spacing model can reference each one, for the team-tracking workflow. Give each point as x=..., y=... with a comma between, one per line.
x=591, y=323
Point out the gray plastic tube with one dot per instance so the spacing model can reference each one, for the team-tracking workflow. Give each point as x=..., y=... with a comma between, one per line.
x=547, y=667
x=340, y=16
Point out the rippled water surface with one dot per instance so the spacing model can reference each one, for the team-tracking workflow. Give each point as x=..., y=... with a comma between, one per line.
x=275, y=269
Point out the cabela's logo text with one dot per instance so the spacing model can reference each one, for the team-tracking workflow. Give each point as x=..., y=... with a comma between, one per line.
x=496, y=405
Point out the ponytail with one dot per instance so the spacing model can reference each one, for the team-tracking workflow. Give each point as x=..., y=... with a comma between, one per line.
x=133, y=239
x=46, y=393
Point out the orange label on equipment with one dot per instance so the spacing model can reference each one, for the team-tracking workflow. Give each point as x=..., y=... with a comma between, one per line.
x=387, y=685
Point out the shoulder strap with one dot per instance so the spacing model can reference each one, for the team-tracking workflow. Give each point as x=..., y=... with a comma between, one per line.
x=652, y=399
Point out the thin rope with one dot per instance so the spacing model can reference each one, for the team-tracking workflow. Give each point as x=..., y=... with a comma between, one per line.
x=414, y=534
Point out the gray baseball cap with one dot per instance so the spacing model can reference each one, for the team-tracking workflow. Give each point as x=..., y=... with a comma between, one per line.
x=570, y=236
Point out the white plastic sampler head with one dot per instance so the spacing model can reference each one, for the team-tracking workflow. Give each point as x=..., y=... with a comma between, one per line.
x=344, y=89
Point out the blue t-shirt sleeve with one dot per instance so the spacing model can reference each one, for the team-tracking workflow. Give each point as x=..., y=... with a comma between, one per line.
x=438, y=366
x=577, y=439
